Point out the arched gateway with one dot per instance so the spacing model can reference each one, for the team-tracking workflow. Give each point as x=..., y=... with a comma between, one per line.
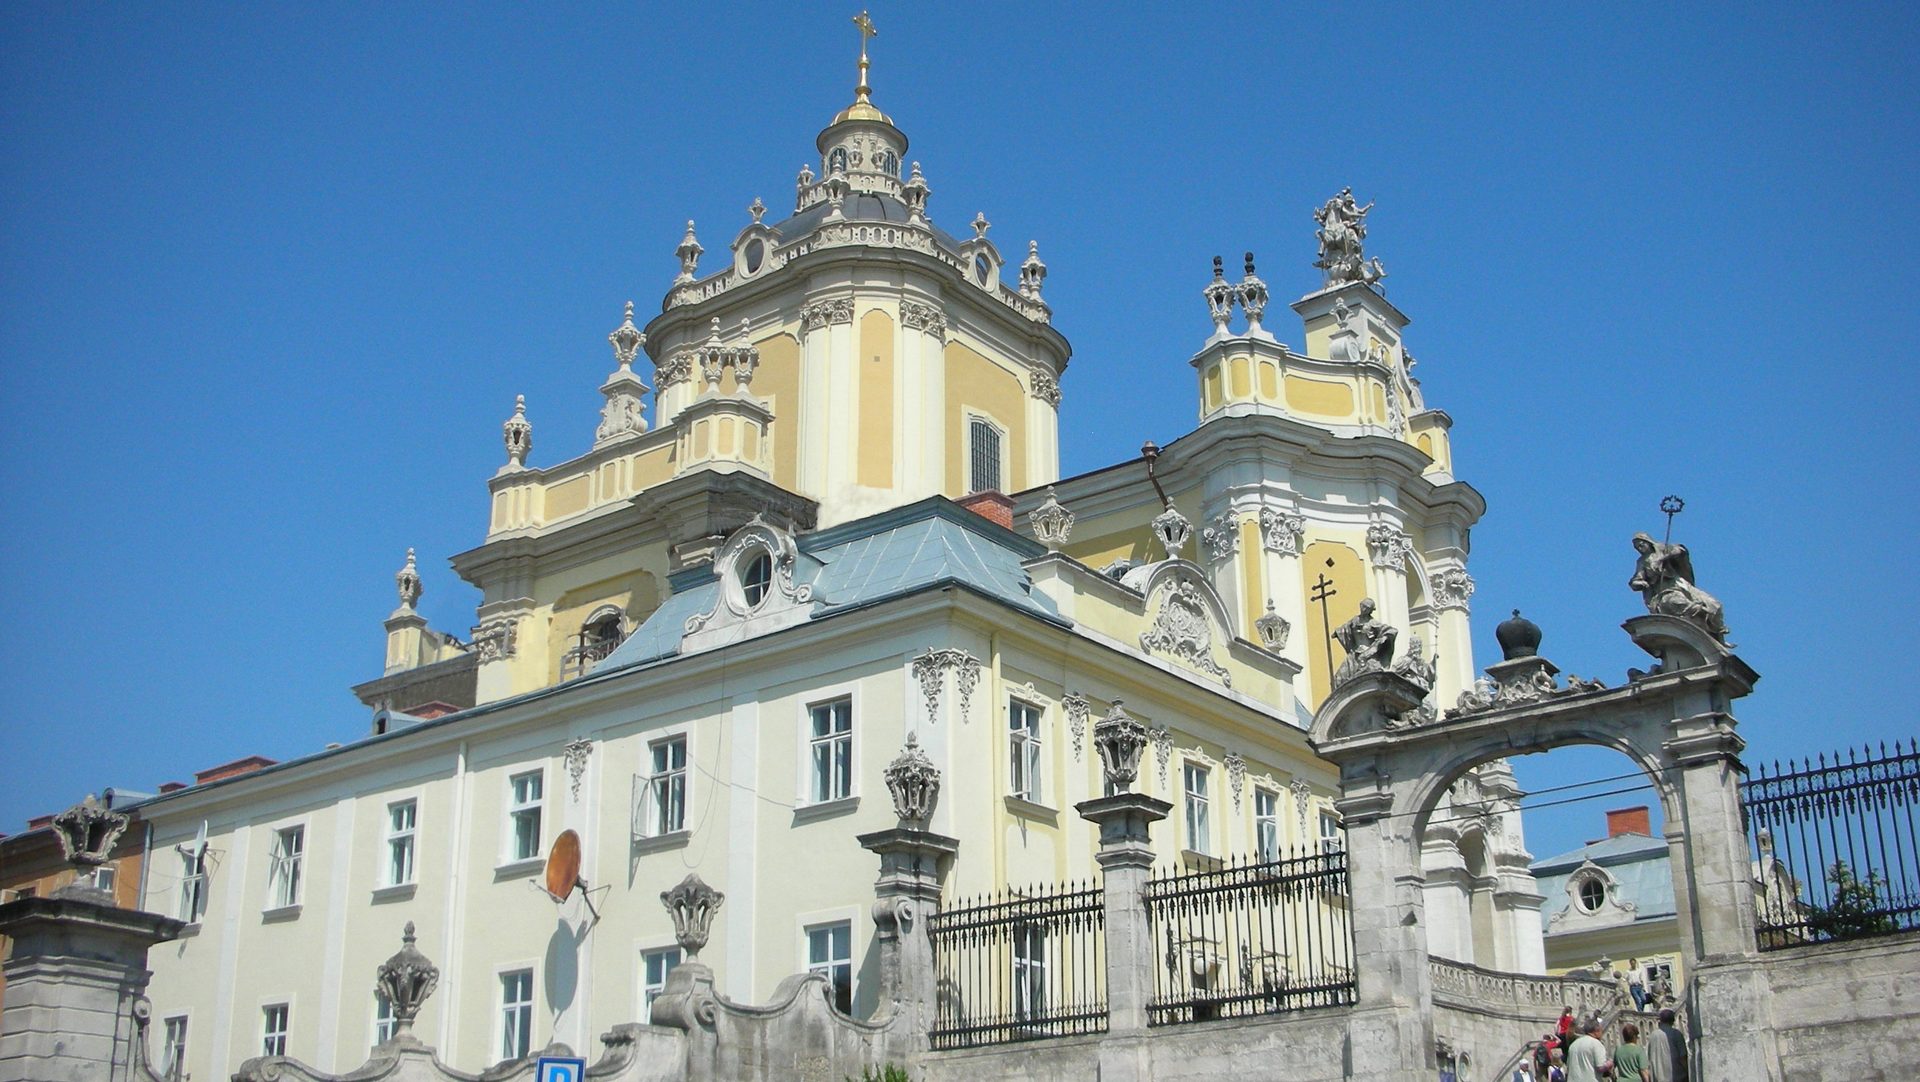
x=1675, y=722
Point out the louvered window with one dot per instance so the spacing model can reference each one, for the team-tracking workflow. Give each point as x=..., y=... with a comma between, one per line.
x=984, y=441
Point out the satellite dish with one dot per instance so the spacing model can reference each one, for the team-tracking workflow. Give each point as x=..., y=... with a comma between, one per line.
x=563, y=872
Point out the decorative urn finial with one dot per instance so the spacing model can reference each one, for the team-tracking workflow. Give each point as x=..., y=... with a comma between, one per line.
x=626, y=339
x=1253, y=297
x=1052, y=523
x=518, y=433
x=757, y=209
x=980, y=224
x=407, y=580
x=915, y=193
x=914, y=782
x=1220, y=296
x=1120, y=739
x=1032, y=272
x=692, y=905
x=1518, y=636
x=406, y=979
x=689, y=254
x=88, y=831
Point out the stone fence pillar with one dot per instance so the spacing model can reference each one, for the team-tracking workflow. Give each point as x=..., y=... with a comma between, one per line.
x=906, y=896
x=1125, y=859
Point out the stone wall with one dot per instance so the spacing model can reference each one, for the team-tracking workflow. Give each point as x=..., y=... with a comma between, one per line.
x=1848, y=1011
x=1307, y=1046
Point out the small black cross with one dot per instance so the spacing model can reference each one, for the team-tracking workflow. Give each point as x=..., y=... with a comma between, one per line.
x=1322, y=590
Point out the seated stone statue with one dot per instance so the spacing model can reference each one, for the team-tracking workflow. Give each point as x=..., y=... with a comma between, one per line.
x=1664, y=576
x=1368, y=642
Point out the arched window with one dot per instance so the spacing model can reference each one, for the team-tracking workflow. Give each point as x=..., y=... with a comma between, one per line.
x=756, y=578
x=836, y=160
x=1593, y=893
x=984, y=457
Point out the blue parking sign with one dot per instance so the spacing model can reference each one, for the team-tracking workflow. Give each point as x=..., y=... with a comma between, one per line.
x=559, y=1069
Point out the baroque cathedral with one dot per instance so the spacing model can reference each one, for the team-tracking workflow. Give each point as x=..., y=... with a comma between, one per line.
x=820, y=528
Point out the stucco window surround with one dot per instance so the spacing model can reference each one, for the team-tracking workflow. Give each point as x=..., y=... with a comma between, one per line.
x=1590, y=889
x=805, y=806
x=499, y=993
x=988, y=442
x=289, y=841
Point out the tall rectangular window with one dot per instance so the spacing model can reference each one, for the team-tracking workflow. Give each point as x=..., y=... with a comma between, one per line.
x=384, y=1025
x=831, y=750
x=830, y=954
x=402, y=816
x=1029, y=972
x=654, y=967
x=984, y=456
x=667, y=786
x=284, y=867
x=1023, y=748
x=528, y=792
x=1330, y=839
x=516, y=1013
x=173, y=1052
x=1199, y=822
x=273, y=1029
x=193, y=884
x=1266, y=825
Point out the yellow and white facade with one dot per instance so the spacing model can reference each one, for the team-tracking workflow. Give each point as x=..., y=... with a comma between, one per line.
x=702, y=640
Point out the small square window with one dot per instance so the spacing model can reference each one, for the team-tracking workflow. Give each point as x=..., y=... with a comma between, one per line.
x=1331, y=840
x=1266, y=825
x=173, y=1050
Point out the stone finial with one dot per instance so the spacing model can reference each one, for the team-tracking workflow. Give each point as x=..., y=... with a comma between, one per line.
x=1220, y=295
x=1120, y=739
x=1032, y=272
x=1273, y=629
x=1173, y=529
x=692, y=905
x=1052, y=523
x=518, y=432
x=1342, y=235
x=406, y=979
x=627, y=339
x=914, y=782
x=1663, y=575
x=980, y=224
x=1252, y=293
x=689, y=254
x=915, y=192
x=1518, y=637
x=407, y=579
x=801, y=183
x=757, y=209
x=88, y=831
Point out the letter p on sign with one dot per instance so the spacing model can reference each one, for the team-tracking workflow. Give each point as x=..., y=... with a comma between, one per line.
x=556, y=1069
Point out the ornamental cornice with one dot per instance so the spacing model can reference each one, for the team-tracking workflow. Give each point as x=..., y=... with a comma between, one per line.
x=1046, y=388
x=1389, y=546
x=823, y=313
x=1452, y=588
x=1281, y=532
x=917, y=316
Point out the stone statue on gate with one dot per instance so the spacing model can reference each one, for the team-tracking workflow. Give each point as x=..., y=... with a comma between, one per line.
x=1342, y=232
x=1368, y=643
x=1664, y=576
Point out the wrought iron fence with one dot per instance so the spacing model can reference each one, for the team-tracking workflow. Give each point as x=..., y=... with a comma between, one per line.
x=1254, y=938
x=1834, y=845
x=1019, y=966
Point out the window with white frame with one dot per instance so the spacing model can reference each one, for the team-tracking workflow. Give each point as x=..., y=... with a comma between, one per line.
x=1029, y=972
x=1023, y=749
x=654, y=967
x=667, y=786
x=273, y=1029
x=830, y=954
x=1199, y=811
x=1330, y=839
x=173, y=1048
x=104, y=877
x=1266, y=825
x=402, y=819
x=984, y=456
x=384, y=1024
x=516, y=1013
x=526, y=793
x=285, y=865
x=193, y=885
x=830, y=750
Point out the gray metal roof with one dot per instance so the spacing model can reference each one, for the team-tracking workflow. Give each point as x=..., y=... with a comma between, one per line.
x=1640, y=865
x=858, y=207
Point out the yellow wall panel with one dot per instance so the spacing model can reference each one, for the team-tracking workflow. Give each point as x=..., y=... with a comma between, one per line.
x=875, y=465
x=1240, y=380
x=1345, y=573
x=777, y=382
x=1253, y=575
x=1318, y=396
x=569, y=497
x=1269, y=380
x=977, y=384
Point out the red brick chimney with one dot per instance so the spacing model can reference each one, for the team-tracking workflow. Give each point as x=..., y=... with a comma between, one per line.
x=232, y=770
x=1629, y=821
x=990, y=505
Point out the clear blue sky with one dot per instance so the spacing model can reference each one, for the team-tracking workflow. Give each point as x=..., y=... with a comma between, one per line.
x=271, y=277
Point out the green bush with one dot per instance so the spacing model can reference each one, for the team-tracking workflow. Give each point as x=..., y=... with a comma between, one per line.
x=889, y=1073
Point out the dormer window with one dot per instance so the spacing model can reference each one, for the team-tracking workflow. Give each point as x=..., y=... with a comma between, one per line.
x=1592, y=893
x=982, y=268
x=756, y=254
x=756, y=578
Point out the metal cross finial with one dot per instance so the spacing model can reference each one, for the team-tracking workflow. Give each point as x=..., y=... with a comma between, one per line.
x=865, y=23
x=1322, y=590
x=1672, y=505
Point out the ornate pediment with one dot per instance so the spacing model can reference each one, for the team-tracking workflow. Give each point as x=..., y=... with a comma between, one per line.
x=758, y=588
x=1188, y=619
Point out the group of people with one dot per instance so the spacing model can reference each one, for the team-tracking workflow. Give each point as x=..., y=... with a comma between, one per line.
x=1580, y=1054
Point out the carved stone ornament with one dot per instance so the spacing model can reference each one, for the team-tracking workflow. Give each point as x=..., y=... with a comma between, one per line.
x=1119, y=738
x=1221, y=297
x=1368, y=643
x=1416, y=667
x=1342, y=235
x=1252, y=295
x=1220, y=538
x=1046, y=388
x=1236, y=776
x=1052, y=523
x=692, y=905
x=916, y=316
x=742, y=547
x=496, y=639
x=930, y=670
x=406, y=980
x=1078, y=710
x=1162, y=750
x=1282, y=531
x=820, y=313
x=1183, y=629
x=1663, y=575
x=624, y=413
x=1032, y=272
x=407, y=580
x=1478, y=697
x=88, y=831
x=689, y=255
x=1452, y=588
x=1273, y=629
x=1389, y=546
x=626, y=339
x=577, y=751
x=913, y=781
x=1173, y=529
x=675, y=369
x=1302, y=797
x=517, y=432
